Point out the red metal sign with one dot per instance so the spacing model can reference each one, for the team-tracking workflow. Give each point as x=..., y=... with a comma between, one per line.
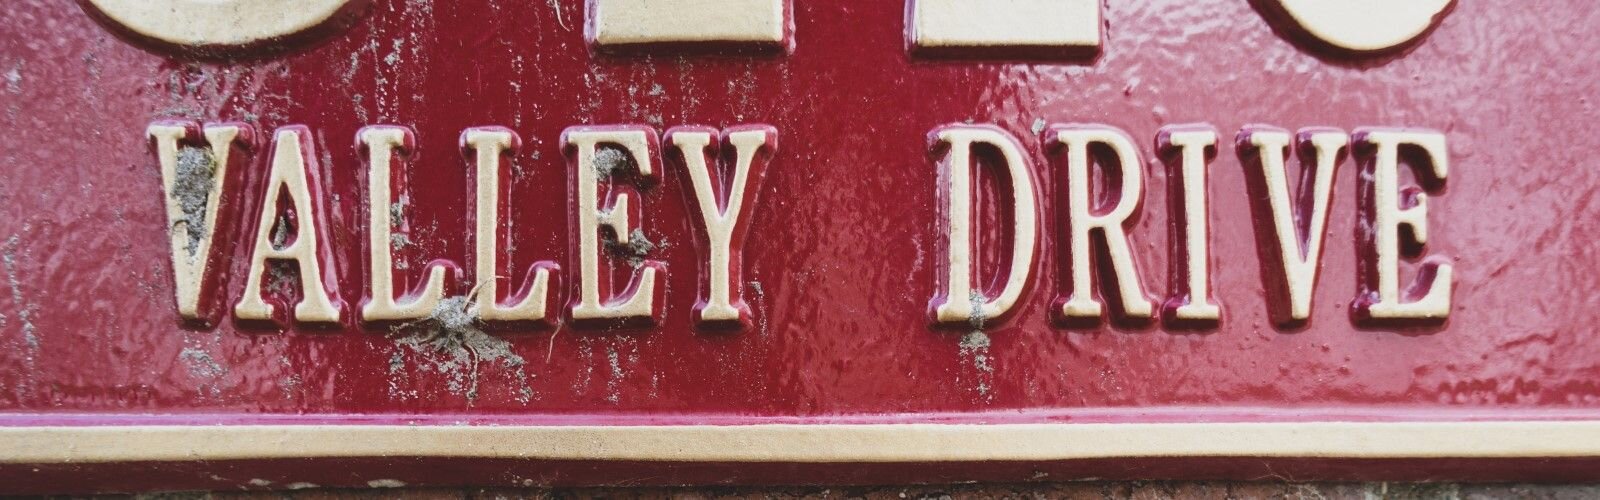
x=279, y=245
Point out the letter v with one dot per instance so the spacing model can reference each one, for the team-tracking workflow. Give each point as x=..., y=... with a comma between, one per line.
x=192, y=181
x=1297, y=227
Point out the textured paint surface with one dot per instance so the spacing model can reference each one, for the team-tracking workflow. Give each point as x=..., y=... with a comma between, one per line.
x=844, y=246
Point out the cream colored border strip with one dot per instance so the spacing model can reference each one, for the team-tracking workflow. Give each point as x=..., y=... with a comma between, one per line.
x=806, y=443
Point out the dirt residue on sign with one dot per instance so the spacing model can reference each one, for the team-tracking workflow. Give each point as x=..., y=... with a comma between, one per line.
x=196, y=175
x=398, y=239
x=203, y=357
x=200, y=363
x=24, y=312
x=761, y=298
x=975, y=348
x=636, y=249
x=610, y=161
x=452, y=342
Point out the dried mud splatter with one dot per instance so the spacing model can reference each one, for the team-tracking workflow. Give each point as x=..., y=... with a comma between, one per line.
x=24, y=313
x=451, y=342
x=636, y=249
x=975, y=349
x=196, y=173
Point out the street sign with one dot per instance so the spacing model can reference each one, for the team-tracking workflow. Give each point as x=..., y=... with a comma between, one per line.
x=353, y=243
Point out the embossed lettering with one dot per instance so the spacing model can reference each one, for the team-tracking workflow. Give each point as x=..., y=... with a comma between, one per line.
x=1387, y=208
x=381, y=143
x=1083, y=222
x=958, y=300
x=193, y=180
x=1295, y=227
x=725, y=208
x=628, y=147
x=1190, y=301
x=531, y=302
x=295, y=176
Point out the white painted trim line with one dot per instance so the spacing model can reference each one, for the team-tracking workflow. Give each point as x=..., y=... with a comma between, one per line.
x=907, y=443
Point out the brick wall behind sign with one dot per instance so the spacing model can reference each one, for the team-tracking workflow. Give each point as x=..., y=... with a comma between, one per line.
x=1075, y=490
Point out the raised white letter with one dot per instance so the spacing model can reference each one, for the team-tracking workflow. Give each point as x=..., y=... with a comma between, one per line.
x=722, y=208
x=1190, y=301
x=380, y=143
x=193, y=180
x=294, y=175
x=531, y=301
x=1298, y=235
x=1386, y=208
x=635, y=143
x=959, y=301
x=1081, y=220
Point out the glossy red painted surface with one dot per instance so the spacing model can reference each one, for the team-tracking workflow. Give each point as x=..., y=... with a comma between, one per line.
x=843, y=246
